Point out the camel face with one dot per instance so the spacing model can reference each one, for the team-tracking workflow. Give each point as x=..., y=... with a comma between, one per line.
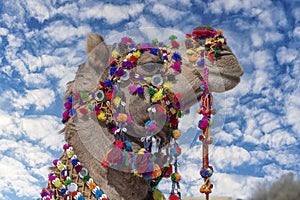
x=92, y=137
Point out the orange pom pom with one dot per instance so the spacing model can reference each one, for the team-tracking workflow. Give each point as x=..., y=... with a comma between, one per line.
x=176, y=133
x=220, y=32
x=122, y=117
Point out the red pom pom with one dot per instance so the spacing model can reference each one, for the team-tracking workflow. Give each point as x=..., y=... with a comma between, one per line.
x=78, y=168
x=174, y=197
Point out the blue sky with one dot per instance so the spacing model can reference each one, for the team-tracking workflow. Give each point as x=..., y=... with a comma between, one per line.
x=258, y=129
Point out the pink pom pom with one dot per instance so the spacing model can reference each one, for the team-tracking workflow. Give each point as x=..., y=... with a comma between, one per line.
x=55, y=162
x=113, y=130
x=66, y=146
x=176, y=66
x=51, y=177
x=132, y=88
x=151, y=127
x=129, y=119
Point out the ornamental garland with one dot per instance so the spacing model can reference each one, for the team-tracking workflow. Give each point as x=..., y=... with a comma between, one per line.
x=107, y=102
x=206, y=43
x=64, y=182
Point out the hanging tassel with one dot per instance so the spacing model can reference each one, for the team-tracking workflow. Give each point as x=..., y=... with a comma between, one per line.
x=114, y=158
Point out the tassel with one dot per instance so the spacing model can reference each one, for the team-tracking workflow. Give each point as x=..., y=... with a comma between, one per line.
x=114, y=158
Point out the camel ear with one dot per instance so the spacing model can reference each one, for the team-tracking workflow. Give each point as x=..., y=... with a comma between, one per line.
x=92, y=40
x=88, y=73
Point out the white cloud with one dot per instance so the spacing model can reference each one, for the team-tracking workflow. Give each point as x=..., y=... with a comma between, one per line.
x=286, y=55
x=60, y=31
x=44, y=129
x=167, y=12
x=296, y=32
x=257, y=41
x=40, y=98
x=105, y=11
x=292, y=104
x=229, y=157
x=16, y=178
x=3, y=31
x=278, y=139
x=223, y=138
x=35, y=80
x=273, y=36
x=9, y=124
x=41, y=10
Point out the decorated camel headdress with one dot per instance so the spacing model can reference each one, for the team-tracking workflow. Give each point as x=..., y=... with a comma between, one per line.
x=149, y=153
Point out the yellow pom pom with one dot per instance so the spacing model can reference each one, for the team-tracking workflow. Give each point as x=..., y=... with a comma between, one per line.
x=157, y=96
x=58, y=184
x=221, y=40
x=114, y=53
x=128, y=57
x=102, y=117
x=190, y=51
x=117, y=101
x=148, y=79
x=173, y=111
x=60, y=166
x=70, y=154
x=137, y=54
x=168, y=85
x=142, y=151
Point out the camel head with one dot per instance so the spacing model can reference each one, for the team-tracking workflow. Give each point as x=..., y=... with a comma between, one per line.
x=116, y=90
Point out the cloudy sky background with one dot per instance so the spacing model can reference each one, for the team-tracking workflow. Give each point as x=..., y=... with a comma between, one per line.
x=258, y=129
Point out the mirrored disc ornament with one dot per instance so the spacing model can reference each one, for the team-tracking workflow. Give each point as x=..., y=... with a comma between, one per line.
x=157, y=80
x=126, y=75
x=83, y=172
x=99, y=95
x=72, y=187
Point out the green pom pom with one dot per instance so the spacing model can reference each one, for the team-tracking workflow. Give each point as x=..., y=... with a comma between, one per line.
x=84, y=96
x=119, y=93
x=179, y=114
x=155, y=42
x=151, y=91
x=172, y=37
x=68, y=181
x=90, y=107
x=86, y=178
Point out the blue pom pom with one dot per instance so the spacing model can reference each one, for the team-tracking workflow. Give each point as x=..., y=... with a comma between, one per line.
x=200, y=63
x=80, y=197
x=74, y=162
x=70, y=99
x=72, y=112
x=154, y=51
x=128, y=146
x=108, y=83
x=113, y=70
x=131, y=45
x=63, y=192
x=176, y=56
x=98, y=193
